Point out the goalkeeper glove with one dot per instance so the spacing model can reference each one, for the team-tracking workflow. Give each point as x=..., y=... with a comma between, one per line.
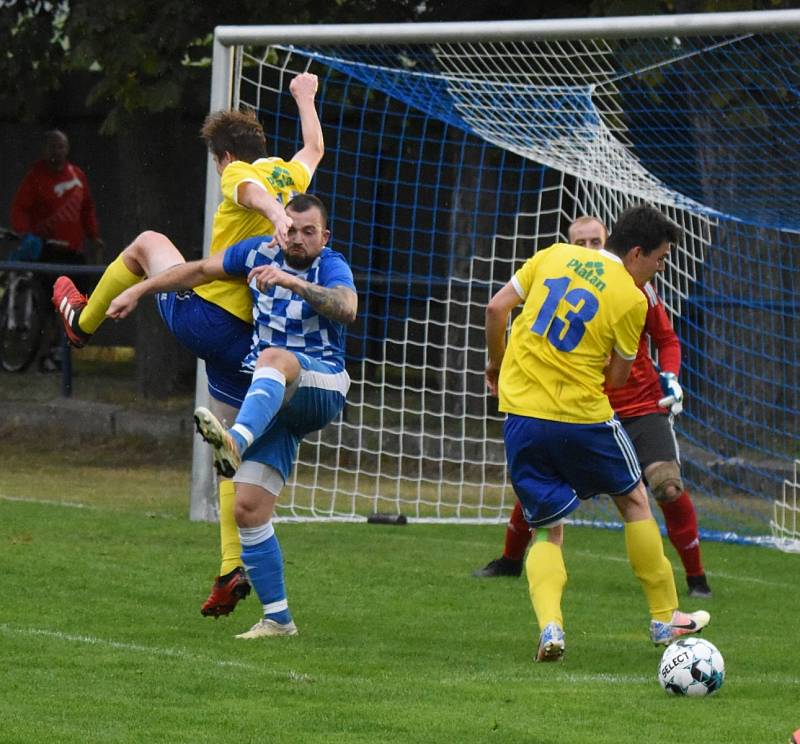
x=673, y=393
x=29, y=249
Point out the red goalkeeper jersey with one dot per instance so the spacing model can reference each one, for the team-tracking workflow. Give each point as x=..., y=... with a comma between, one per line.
x=641, y=393
x=55, y=205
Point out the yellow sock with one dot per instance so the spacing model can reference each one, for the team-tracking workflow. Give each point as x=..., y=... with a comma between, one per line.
x=547, y=577
x=646, y=555
x=228, y=531
x=115, y=280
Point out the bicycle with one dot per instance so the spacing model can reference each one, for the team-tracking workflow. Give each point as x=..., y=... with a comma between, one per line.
x=24, y=308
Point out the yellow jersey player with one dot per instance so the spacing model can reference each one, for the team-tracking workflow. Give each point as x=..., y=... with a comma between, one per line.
x=215, y=320
x=579, y=330
x=646, y=415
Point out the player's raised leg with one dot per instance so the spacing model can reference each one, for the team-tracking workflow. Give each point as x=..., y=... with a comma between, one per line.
x=150, y=253
x=275, y=369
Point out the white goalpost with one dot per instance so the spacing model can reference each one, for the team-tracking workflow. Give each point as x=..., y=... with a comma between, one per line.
x=454, y=151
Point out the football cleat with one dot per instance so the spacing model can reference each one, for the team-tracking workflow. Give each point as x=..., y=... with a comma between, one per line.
x=698, y=587
x=266, y=627
x=226, y=593
x=499, y=567
x=69, y=302
x=551, y=643
x=682, y=623
x=226, y=453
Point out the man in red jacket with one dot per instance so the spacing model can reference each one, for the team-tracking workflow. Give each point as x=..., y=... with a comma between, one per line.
x=54, y=212
x=53, y=202
x=645, y=405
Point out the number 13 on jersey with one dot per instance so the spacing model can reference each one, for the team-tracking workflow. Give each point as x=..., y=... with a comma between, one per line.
x=565, y=333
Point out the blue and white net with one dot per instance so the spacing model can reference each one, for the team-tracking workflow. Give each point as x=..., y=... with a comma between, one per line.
x=448, y=165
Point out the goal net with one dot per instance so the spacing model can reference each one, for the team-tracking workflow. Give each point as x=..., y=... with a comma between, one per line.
x=449, y=163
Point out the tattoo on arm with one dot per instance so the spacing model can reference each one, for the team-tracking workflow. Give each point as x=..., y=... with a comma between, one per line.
x=335, y=303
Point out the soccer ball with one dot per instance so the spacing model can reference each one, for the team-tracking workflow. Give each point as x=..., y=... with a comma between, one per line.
x=691, y=666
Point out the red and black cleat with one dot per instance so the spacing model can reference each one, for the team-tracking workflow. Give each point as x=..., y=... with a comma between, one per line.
x=69, y=302
x=226, y=593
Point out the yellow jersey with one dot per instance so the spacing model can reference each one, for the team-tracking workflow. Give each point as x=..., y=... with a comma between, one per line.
x=233, y=222
x=579, y=304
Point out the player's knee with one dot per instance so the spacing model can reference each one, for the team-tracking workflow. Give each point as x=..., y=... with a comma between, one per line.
x=136, y=255
x=664, y=479
x=281, y=360
x=243, y=513
x=257, y=489
x=143, y=241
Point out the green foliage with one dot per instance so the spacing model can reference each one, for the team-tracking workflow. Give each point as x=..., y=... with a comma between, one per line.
x=150, y=52
x=34, y=52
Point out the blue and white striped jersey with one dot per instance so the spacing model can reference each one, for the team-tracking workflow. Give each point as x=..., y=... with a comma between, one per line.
x=283, y=319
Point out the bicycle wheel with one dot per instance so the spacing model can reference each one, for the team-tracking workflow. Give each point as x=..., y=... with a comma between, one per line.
x=22, y=313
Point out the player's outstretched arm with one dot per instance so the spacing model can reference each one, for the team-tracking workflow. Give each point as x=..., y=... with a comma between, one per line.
x=182, y=276
x=497, y=312
x=303, y=88
x=254, y=196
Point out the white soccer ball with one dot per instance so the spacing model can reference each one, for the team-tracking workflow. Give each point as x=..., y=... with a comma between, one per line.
x=691, y=666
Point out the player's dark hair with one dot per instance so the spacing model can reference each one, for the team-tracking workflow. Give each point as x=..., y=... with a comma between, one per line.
x=237, y=132
x=643, y=226
x=304, y=202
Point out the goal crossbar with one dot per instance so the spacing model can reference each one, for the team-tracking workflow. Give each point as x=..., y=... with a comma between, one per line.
x=683, y=24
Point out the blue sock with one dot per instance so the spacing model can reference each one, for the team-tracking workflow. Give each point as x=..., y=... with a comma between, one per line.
x=262, y=402
x=263, y=560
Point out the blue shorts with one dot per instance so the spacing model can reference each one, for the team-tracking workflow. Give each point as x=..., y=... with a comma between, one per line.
x=317, y=400
x=554, y=464
x=220, y=339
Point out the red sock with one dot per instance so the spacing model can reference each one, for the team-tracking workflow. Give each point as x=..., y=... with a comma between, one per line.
x=518, y=535
x=681, y=520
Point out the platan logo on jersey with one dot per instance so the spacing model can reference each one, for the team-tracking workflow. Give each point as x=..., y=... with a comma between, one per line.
x=280, y=178
x=591, y=271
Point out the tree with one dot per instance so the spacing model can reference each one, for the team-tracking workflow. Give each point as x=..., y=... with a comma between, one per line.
x=150, y=66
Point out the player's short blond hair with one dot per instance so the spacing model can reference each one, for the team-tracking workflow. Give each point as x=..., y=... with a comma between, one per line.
x=585, y=220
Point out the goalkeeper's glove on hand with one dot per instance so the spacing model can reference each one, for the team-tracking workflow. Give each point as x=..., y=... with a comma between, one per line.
x=29, y=249
x=673, y=393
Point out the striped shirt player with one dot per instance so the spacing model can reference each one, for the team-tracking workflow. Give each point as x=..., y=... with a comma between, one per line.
x=285, y=320
x=304, y=295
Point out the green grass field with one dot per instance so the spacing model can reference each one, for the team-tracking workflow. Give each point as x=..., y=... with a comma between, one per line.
x=103, y=641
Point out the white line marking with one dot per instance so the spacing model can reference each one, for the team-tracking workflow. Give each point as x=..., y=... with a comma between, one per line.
x=175, y=653
x=76, y=505
x=49, y=502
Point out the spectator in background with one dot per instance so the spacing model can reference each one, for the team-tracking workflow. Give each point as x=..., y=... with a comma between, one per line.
x=54, y=211
x=53, y=202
